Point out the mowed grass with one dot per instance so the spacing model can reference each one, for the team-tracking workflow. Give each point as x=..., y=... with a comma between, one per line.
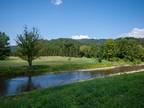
x=123, y=91
x=17, y=66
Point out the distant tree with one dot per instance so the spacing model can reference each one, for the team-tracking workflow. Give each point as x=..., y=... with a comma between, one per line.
x=94, y=49
x=107, y=50
x=67, y=46
x=13, y=50
x=129, y=49
x=85, y=51
x=28, y=47
x=4, y=46
x=44, y=47
x=100, y=53
x=141, y=53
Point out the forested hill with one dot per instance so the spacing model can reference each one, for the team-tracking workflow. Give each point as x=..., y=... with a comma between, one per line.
x=87, y=41
x=82, y=41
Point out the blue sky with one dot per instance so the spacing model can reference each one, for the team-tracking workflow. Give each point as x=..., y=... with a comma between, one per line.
x=72, y=18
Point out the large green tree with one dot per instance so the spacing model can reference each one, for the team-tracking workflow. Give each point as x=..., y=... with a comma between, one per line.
x=107, y=50
x=129, y=49
x=28, y=47
x=4, y=46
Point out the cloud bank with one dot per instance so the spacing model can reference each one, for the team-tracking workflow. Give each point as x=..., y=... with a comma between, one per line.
x=136, y=32
x=57, y=2
x=80, y=37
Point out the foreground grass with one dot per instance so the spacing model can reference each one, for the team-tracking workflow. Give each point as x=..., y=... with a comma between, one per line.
x=124, y=91
x=16, y=66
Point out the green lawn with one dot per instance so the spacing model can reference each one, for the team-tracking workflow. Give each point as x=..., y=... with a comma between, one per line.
x=123, y=91
x=16, y=66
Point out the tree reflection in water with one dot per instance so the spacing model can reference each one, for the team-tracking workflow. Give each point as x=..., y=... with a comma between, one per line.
x=28, y=86
x=3, y=87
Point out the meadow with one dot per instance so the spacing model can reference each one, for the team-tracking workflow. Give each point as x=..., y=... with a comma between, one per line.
x=123, y=91
x=16, y=66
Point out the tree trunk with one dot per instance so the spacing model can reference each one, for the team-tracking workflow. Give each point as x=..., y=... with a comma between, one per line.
x=30, y=62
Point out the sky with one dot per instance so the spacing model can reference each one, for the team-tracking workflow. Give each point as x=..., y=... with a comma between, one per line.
x=75, y=19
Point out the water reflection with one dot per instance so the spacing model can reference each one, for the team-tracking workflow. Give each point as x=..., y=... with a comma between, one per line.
x=17, y=85
x=3, y=86
x=28, y=86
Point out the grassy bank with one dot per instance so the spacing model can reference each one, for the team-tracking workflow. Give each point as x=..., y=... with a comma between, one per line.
x=16, y=66
x=124, y=91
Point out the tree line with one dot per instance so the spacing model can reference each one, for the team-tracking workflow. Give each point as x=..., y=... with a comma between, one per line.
x=130, y=49
x=30, y=46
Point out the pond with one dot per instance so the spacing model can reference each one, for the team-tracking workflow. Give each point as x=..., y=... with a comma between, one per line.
x=16, y=85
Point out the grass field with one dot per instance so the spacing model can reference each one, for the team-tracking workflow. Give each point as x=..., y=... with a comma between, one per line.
x=123, y=91
x=16, y=66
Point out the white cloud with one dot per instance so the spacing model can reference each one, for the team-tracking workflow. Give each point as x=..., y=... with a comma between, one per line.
x=80, y=37
x=57, y=2
x=136, y=32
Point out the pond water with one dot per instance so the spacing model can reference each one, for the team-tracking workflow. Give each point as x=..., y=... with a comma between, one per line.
x=16, y=85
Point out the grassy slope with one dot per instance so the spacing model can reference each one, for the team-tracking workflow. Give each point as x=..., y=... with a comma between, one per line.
x=16, y=66
x=124, y=91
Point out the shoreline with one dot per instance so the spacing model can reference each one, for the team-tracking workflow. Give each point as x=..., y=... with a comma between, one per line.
x=111, y=67
x=116, y=74
x=12, y=74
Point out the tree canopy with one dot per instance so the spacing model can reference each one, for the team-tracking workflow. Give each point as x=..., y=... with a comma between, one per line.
x=4, y=46
x=28, y=48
